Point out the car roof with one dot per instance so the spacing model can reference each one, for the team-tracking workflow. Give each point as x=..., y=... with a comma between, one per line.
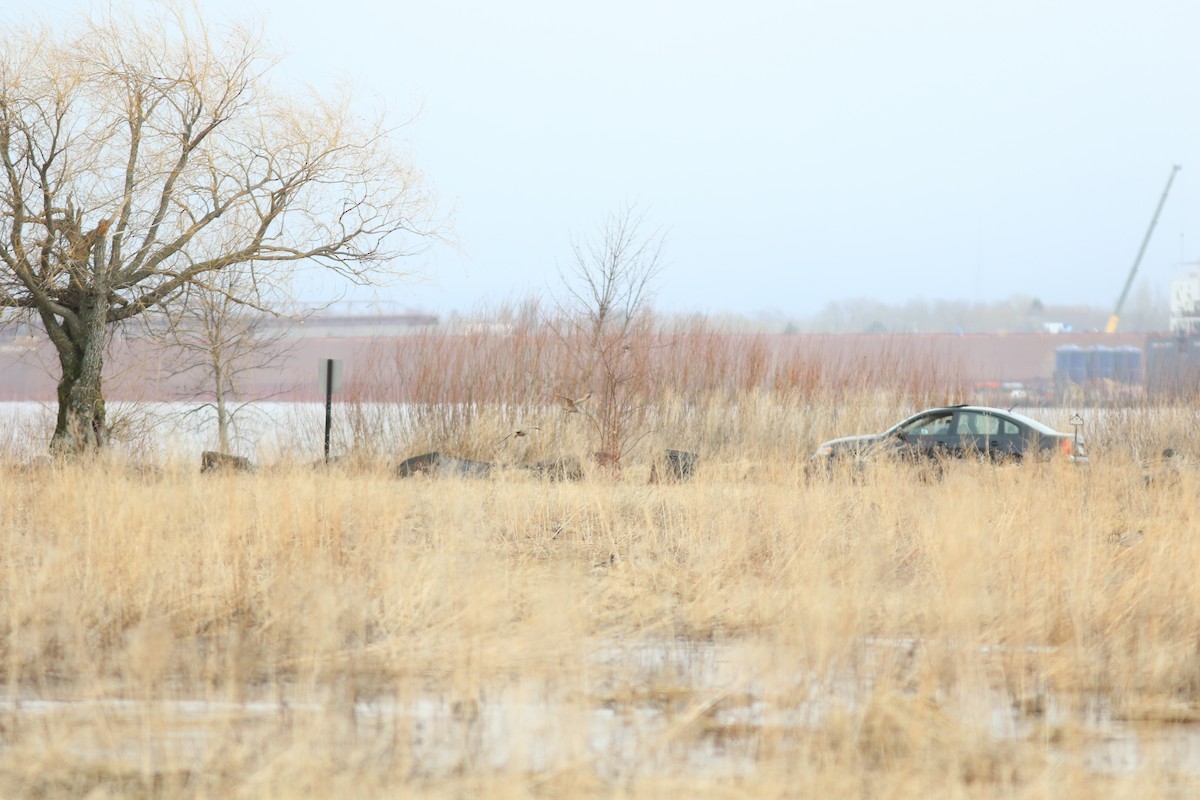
x=1028, y=422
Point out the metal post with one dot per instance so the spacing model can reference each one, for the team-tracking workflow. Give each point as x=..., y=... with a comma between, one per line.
x=328, y=404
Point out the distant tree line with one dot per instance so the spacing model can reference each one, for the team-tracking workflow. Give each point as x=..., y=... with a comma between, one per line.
x=1146, y=311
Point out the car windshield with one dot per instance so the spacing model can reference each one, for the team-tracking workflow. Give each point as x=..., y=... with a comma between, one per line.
x=925, y=424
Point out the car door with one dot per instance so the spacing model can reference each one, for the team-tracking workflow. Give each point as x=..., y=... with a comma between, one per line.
x=988, y=434
x=929, y=435
x=974, y=433
x=1008, y=442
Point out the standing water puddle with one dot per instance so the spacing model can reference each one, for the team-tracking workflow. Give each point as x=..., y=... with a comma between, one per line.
x=638, y=709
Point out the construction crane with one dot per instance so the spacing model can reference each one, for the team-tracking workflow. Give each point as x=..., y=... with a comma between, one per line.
x=1112, y=321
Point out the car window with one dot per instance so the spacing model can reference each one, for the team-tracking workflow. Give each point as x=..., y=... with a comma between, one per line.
x=1010, y=428
x=936, y=425
x=976, y=423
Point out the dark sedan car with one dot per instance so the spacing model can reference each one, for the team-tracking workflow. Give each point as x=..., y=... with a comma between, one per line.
x=959, y=432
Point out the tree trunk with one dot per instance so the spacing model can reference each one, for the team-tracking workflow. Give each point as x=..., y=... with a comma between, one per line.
x=81, y=420
x=222, y=416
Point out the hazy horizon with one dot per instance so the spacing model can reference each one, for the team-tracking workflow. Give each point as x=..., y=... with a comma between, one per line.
x=794, y=154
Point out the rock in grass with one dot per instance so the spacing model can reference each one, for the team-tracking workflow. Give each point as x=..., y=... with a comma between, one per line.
x=566, y=468
x=676, y=466
x=212, y=461
x=436, y=463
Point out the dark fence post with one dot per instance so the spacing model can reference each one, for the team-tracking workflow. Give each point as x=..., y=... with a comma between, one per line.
x=328, y=404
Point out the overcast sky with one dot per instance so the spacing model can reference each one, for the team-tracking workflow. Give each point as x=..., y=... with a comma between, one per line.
x=794, y=152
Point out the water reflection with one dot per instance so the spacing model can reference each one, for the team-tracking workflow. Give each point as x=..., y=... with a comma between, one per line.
x=639, y=709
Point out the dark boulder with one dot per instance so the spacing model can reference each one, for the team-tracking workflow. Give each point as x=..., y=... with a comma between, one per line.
x=436, y=463
x=674, y=466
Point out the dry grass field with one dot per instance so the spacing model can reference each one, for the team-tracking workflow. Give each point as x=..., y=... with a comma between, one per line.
x=301, y=631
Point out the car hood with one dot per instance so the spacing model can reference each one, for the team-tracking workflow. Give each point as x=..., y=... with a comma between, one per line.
x=853, y=442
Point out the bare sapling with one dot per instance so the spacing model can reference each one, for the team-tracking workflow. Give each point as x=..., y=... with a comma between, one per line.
x=221, y=337
x=606, y=326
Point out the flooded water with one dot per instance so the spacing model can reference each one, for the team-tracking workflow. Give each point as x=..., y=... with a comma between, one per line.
x=162, y=431
x=654, y=708
x=264, y=430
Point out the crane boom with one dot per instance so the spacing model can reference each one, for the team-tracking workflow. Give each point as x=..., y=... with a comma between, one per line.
x=1112, y=321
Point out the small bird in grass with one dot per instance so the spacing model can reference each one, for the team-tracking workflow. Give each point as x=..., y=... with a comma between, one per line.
x=611, y=561
x=573, y=406
x=519, y=433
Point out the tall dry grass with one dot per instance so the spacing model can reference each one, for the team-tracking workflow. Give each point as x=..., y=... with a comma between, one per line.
x=297, y=632
x=301, y=632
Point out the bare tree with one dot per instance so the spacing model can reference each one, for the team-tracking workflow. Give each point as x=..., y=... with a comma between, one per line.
x=608, y=325
x=143, y=156
x=220, y=342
